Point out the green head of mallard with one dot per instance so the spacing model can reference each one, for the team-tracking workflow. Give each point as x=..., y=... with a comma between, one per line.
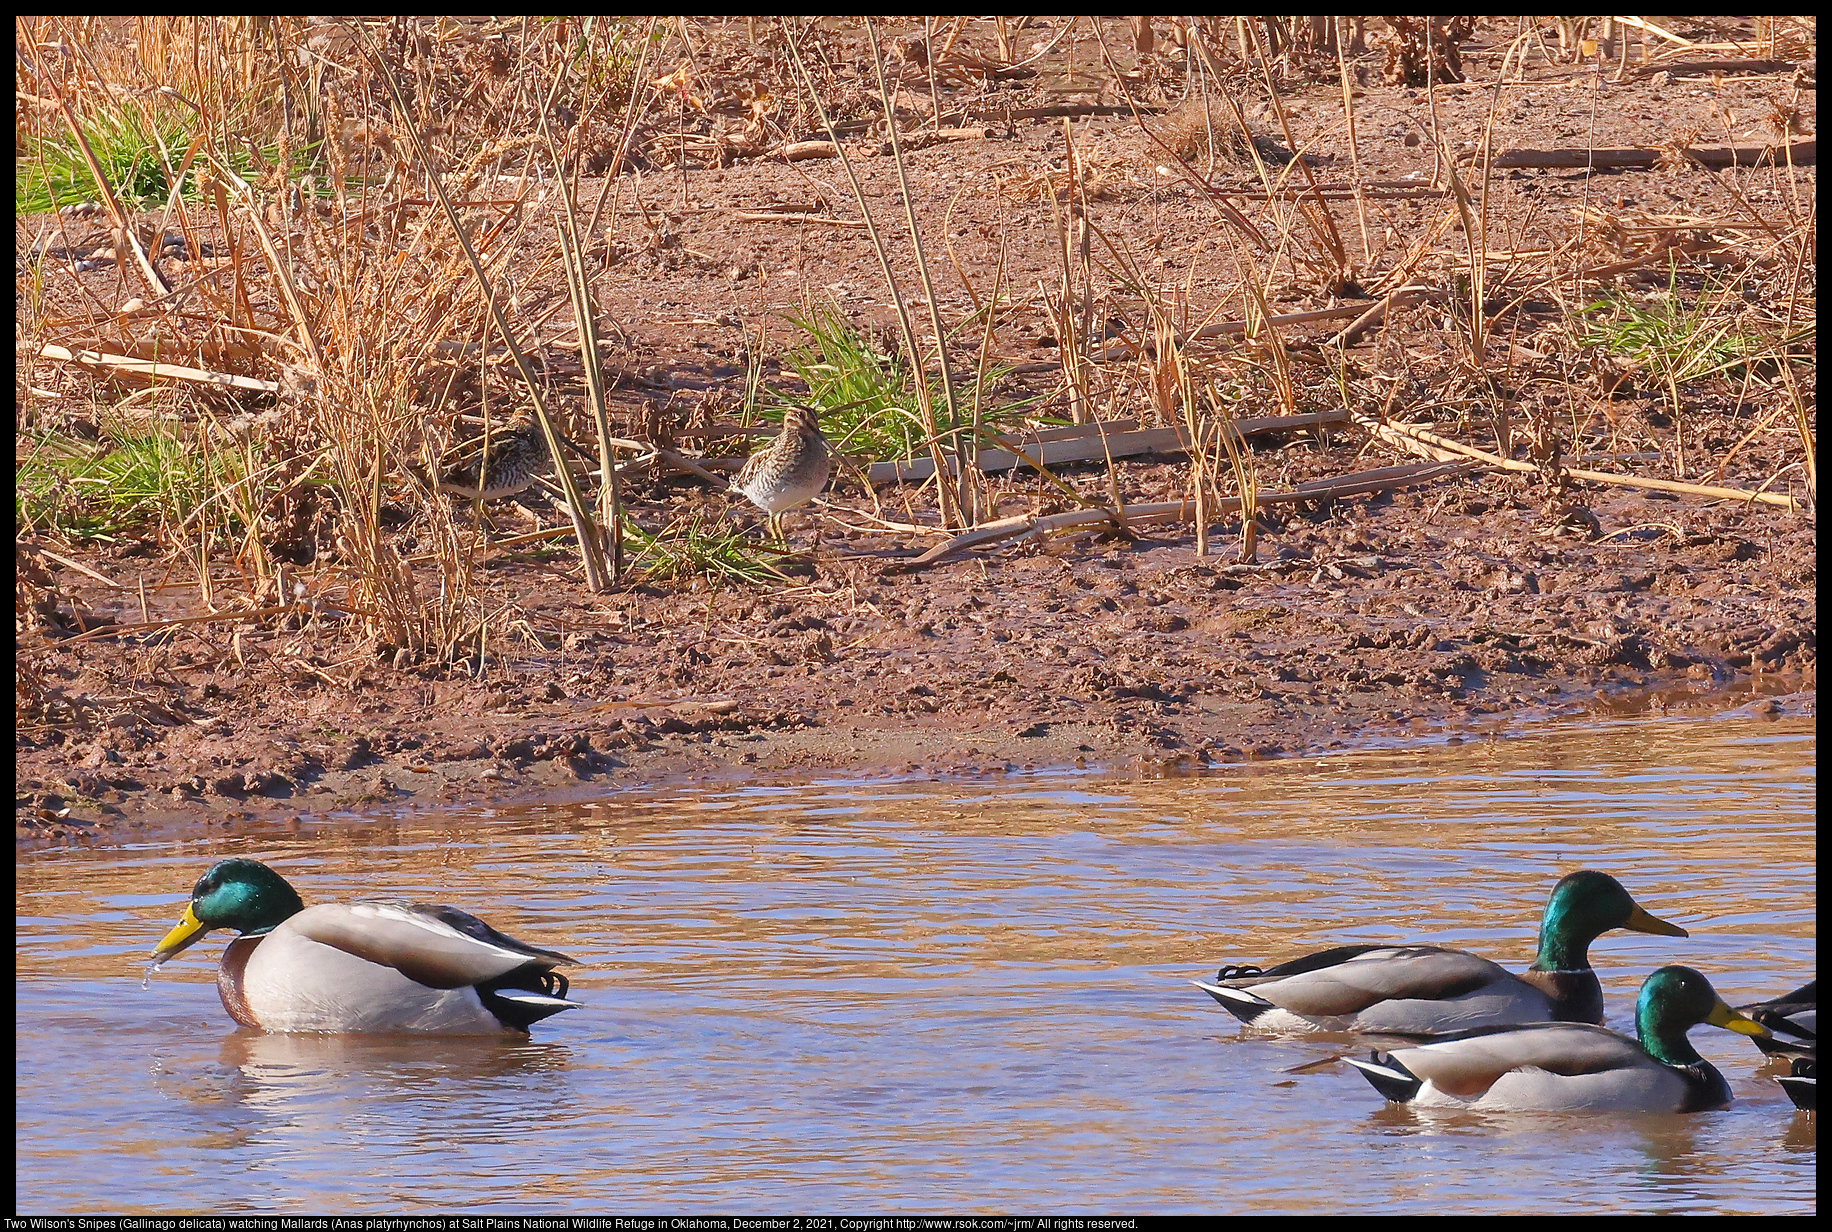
x=244, y=895
x=1672, y=1002
x=1585, y=905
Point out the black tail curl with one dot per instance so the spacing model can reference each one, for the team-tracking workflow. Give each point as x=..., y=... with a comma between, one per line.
x=1238, y=971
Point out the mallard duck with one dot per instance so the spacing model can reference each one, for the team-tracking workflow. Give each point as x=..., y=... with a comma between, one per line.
x=1571, y=1066
x=1431, y=990
x=369, y=965
x=1802, y=1083
x=1791, y=1020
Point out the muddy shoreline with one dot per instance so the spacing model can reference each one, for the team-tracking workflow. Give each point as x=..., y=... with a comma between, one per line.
x=934, y=752
x=1401, y=616
x=492, y=673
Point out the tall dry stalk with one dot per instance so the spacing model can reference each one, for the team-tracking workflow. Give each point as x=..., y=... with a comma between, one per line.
x=1360, y=180
x=591, y=546
x=570, y=233
x=1322, y=222
x=947, y=491
x=1071, y=309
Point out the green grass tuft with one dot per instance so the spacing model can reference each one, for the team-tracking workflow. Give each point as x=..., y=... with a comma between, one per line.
x=1677, y=342
x=137, y=147
x=867, y=399
x=147, y=477
x=689, y=547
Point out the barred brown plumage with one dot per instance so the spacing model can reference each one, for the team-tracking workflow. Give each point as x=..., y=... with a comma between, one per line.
x=791, y=470
x=517, y=454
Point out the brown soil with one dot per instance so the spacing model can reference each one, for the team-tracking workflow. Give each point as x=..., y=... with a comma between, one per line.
x=1383, y=618
x=1440, y=609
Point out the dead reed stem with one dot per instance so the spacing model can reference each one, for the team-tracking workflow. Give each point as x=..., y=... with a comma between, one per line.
x=948, y=494
x=943, y=481
x=1358, y=483
x=1348, y=116
x=1419, y=440
x=591, y=552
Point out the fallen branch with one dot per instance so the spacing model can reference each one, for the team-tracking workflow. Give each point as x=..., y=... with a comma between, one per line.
x=80, y=568
x=1011, y=528
x=1381, y=479
x=181, y=621
x=153, y=369
x=1089, y=443
x=1704, y=68
x=678, y=462
x=797, y=151
x=928, y=137
x=1431, y=445
x=1800, y=153
x=703, y=706
x=1356, y=483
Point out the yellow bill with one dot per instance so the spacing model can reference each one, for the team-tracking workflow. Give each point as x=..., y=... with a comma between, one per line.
x=1642, y=922
x=1723, y=1016
x=184, y=933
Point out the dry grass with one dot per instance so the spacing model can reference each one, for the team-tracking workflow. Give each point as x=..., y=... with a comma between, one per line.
x=265, y=215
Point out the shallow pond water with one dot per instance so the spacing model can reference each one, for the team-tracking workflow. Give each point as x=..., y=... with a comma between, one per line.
x=900, y=995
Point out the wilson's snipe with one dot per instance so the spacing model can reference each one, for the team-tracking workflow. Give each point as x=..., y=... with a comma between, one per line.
x=518, y=453
x=791, y=470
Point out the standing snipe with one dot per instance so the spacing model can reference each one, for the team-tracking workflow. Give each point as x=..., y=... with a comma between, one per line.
x=791, y=470
x=517, y=454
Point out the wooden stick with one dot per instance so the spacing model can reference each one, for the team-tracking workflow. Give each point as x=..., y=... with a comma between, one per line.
x=1689, y=68
x=1431, y=445
x=66, y=561
x=154, y=369
x=1800, y=153
x=1356, y=483
x=922, y=140
x=1113, y=438
x=176, y=622
x=1381, y=479
x=797, y=151
x=1007, y=528
x=1090, y=442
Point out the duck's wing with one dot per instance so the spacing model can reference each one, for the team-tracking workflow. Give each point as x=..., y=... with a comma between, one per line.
x=1366, y=977
x=1467, y=1065
x=440, y=947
